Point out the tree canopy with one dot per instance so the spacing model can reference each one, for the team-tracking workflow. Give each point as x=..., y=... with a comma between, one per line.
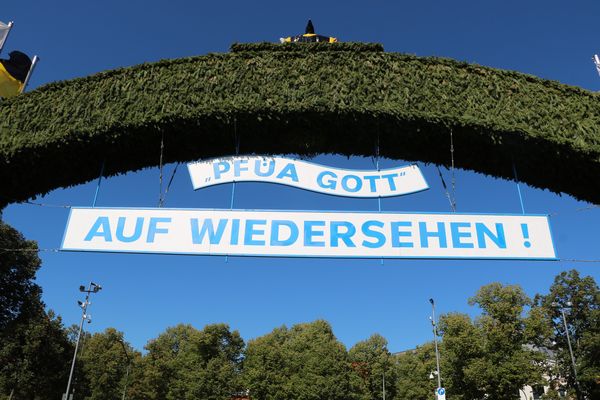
x=305, y=362
x=512, y=343
x=19, y=262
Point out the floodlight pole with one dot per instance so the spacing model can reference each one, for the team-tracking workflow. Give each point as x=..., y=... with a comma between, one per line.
x=93, y=288
x=437, y=354
x=127, y=370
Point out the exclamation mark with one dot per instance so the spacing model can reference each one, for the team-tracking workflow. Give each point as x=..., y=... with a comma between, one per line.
x=525, y=231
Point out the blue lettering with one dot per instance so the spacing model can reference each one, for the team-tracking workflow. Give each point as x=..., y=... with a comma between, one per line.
x=139, y=223
x=101, y=222
x=367, y=231
x=457, y=235
x=372, y=182
x=390, y=178
x=235, y=231
x=207, y=227
x=483, y=231
x=153, y=229
x=346, y=236
x=258, y=171
x=275, y=232
x=440, y=234
x=397, y=234
x=251, y=231
x=357, y=183
x=239, y=166
x=309, y=233
x=330, y=184
x=219, y=168
x=289, y=171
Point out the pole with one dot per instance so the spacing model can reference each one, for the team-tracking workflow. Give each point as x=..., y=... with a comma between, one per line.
x=562, y=311
x=92, y=288
x=8, y=28
x=83, y=317
x=127, y=370
x=126, y=379
x=437, y=354
x=383, y=384
x=33, y=63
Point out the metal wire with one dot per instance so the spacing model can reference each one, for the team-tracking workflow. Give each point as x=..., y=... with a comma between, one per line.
x=160, y=177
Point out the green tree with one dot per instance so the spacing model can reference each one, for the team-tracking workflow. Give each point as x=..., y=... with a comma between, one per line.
x=463, y=344
x=19, y=262
x=579, y=297
x=305, y=362
x=370, y=359
x=413, y=369
x=34, y=349
x=492, y=356
x=105, y=359
x=185, y=363
x=34, y=356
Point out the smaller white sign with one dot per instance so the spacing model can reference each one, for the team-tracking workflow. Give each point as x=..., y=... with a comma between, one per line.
x=305, y=175
x=441, y=394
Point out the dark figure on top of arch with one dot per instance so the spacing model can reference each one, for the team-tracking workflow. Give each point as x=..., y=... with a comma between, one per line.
x=308, y=36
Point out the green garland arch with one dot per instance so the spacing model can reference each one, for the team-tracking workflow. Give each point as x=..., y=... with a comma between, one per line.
x=304, y=99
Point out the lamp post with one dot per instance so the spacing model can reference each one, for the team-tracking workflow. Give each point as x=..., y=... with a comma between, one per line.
x=127, y=370
x=564, y=319
x=92, y=288
x=437, y=354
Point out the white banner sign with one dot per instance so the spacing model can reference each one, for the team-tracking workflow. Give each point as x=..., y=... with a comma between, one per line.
x=309, y=234
x=309, y=176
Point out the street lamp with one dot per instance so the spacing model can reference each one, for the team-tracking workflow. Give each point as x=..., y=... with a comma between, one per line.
x=564, y=318
x=437, y=354
x=92, y=288
x=128, y=368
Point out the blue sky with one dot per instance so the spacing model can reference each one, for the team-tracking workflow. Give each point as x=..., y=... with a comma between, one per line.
x=144, y=294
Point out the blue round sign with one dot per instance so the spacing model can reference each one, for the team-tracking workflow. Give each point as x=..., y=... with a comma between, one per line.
x=441, y=391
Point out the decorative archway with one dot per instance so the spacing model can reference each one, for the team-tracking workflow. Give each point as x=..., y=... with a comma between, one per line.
x=304, y=99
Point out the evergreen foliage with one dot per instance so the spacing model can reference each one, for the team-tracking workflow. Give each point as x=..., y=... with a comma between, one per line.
x=304, y=99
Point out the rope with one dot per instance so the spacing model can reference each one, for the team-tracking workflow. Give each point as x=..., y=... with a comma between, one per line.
x=54, y=250
x=452, y=205
x=581, y=209
x=99, y=182
x=377, y=166
x=237, y=151
x=170, y=181
x=44, y=204
x=518, y=188
x=24, y=250
x=451, y=198
x=453, y=177
x=160, y=177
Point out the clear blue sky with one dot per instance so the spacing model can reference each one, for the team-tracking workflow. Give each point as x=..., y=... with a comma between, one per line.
x=144, y=294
